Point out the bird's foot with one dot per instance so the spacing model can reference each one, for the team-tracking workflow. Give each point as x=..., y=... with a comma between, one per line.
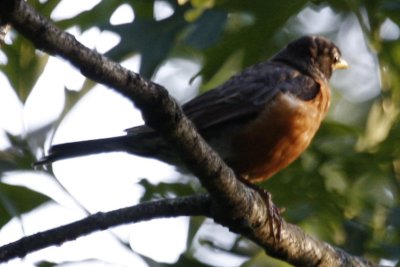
x=273, y=215
x=273, y=212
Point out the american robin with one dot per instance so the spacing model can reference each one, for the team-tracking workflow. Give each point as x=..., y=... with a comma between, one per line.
x=259, y=121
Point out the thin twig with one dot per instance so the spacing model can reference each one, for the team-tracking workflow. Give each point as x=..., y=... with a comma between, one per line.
x=166, y=208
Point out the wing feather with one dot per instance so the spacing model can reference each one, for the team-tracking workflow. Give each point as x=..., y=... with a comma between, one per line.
x=247, y=93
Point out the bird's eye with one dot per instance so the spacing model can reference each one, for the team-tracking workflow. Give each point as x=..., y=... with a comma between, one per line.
x=336, y=59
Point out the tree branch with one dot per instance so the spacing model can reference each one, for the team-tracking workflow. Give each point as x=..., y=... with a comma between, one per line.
x=166, y=208
x=232, y=203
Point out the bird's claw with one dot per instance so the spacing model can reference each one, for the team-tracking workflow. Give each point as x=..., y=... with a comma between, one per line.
x=273, y=215
x=273, y=212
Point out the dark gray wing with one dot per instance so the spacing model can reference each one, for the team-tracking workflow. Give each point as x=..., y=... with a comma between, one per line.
x=247, y=93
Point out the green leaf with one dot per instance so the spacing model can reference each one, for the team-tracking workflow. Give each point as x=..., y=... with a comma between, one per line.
x=85, y=20
x=206, y=30
x=15, y=200
x=161, y=190
x=152, y=39
x=23, y=61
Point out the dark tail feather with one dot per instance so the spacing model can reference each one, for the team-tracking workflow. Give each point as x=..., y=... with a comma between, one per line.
x=82, y=148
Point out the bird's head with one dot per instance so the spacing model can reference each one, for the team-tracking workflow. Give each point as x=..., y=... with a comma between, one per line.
x=313, y=55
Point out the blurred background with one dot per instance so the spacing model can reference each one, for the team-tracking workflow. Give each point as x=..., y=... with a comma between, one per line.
x=344, y=189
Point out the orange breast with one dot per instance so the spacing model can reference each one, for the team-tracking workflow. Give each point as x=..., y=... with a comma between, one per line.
x=278, y=136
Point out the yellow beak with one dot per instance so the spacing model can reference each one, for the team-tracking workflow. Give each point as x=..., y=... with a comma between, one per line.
x=341, y=64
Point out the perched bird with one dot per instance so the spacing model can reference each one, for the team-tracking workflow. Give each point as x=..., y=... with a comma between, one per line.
x=259, y=121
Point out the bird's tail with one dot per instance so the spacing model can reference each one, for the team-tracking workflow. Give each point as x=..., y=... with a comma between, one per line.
x=128, y=143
